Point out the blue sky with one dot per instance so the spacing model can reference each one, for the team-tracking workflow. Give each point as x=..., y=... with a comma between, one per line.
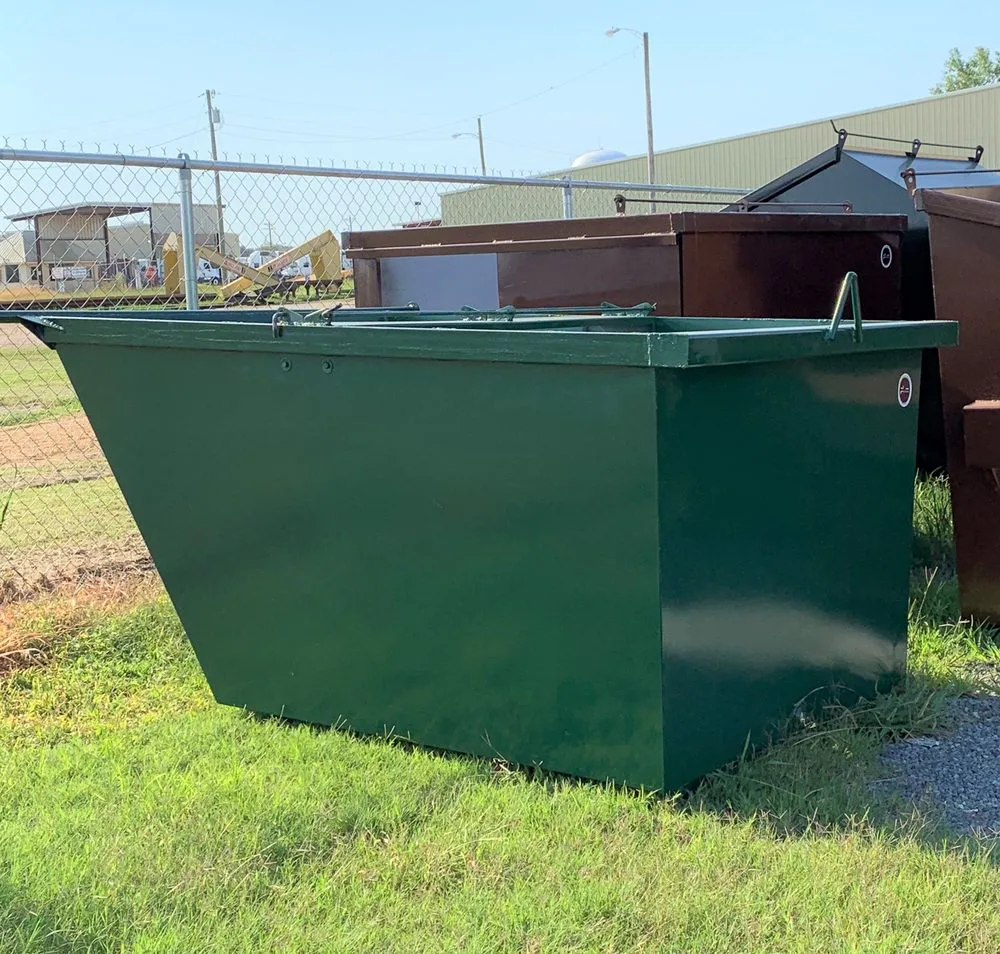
x=393, y=81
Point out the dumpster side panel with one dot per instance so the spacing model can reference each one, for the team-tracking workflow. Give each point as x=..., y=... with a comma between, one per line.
x=788, y=274
x=462, y=553
x=786, y=520
x=966, y=261
x=587, y=277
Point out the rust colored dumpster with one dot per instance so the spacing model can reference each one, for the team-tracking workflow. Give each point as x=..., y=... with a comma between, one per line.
x=878, y=183
x=965, y=263
x=724, y=264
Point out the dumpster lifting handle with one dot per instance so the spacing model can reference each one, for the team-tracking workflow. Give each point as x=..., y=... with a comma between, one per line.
x=848, y=287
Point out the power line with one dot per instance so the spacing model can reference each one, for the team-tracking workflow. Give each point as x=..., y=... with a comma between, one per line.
x=149, y=111
x=188, y=135
x=406, y=136
x=572, y=79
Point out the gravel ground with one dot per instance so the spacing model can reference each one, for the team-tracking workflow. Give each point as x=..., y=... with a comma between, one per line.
x=959, y=773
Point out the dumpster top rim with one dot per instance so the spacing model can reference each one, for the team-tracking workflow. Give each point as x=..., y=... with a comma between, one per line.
x=953, y=206
x=578, y=340
x=656, y=228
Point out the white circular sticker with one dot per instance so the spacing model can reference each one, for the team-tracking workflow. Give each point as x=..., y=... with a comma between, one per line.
x=885, y=257
x=904, y=390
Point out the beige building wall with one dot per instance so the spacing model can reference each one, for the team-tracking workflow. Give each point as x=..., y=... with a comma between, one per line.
x=167, y=218
x=16, y=247
x=131, y=240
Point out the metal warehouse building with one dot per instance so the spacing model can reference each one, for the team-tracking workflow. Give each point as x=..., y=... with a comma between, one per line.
x=965, y=119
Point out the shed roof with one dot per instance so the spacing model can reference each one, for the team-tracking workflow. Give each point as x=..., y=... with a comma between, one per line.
x=85, y=208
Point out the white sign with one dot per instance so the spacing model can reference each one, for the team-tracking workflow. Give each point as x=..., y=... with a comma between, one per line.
x=70, y=271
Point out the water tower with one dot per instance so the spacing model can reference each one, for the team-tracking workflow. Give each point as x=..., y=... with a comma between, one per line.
x=597, y=156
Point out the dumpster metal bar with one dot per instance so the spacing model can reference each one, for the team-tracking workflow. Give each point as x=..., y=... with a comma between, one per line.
x=698, y=344
x=914, y=144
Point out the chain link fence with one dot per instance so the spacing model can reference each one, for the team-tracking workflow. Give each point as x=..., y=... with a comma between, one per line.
x=97, y=231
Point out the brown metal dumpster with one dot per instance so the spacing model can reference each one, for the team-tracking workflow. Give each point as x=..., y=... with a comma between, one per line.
x=717, y=264
x=965, y=264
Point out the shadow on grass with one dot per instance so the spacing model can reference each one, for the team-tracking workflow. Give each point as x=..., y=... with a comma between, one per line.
x=39, y=928
x=824, y=777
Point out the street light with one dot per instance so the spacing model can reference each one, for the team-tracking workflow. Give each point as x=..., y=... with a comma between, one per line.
x=649, y=105
x=482, y=152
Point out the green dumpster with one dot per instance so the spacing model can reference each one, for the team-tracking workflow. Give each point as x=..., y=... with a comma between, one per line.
x=617, y=547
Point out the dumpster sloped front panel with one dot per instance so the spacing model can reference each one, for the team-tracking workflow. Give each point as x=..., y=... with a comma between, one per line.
x=461, y=553
x=965, y=261
x=540, y=542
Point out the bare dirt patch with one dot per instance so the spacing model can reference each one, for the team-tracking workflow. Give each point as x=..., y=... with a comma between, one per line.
x=67, y=438
x=108, y=563
x=17, y=336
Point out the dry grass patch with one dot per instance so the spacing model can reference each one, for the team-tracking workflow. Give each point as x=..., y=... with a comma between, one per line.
x=30, y=628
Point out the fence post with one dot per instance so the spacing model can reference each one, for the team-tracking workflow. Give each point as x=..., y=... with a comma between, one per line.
x=187, y=238
x=567, y=197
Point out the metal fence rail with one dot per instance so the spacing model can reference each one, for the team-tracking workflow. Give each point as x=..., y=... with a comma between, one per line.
x=98, y=230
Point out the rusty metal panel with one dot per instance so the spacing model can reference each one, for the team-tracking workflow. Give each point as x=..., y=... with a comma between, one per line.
x=965, y=262
x=731, y=264
x=591, y=276
x=789, y=274
x=367, y=283
x=981, y=421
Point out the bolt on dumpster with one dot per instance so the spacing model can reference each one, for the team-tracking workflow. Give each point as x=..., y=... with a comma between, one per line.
x=530, y=538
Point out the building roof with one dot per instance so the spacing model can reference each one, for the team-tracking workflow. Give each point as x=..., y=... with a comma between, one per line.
x=86, y=208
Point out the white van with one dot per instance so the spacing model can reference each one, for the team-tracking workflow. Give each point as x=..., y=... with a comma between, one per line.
x=208, y=274
x=258, y=257
x=301, y=268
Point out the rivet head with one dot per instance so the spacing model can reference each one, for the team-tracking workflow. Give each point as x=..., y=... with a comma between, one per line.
x=327, y=367
x=286, y=365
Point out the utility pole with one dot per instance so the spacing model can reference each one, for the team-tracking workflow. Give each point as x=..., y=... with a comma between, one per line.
x=482, y=151
x=479, y=135
x=213, y=119
x=649, y=120
x=650, y=172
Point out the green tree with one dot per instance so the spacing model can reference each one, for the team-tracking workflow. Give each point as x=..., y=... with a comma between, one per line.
x=981, y=69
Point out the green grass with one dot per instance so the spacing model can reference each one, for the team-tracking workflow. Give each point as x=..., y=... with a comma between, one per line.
x=65, y=516
x=33, y=387
x=139, y=816
x=933, y=545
